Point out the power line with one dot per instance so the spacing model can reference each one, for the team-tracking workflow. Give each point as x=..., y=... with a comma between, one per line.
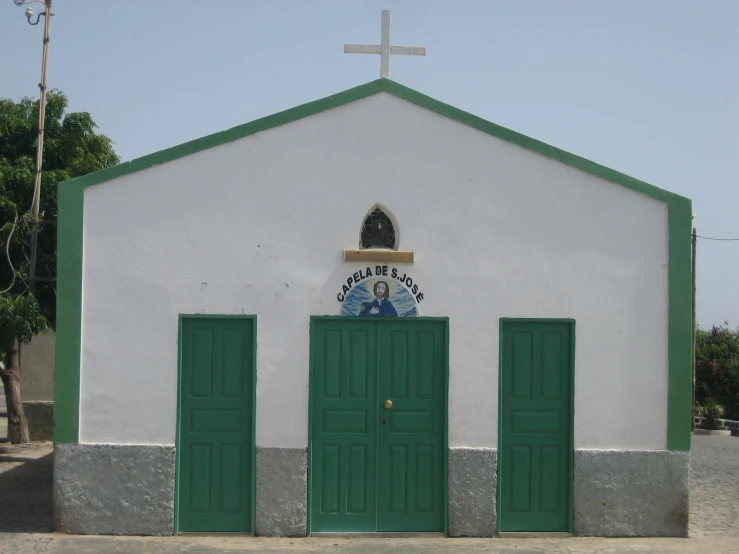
x=711, y=238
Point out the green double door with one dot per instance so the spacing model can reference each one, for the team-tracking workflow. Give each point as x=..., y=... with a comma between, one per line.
x=535, y=457
x=215, y=446
x=378, y=417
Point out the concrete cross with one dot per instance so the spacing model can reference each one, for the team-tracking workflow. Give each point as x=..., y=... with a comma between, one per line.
x=384, y=48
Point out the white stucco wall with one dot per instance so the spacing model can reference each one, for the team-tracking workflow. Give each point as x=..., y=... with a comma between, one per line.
x=257, y=226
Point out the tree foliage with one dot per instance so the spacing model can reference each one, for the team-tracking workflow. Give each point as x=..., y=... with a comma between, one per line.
x=20, y=319
x=71, y=148
x=717, y=369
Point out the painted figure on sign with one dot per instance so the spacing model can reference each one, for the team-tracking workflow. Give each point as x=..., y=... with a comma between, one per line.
x=381, y=305
x=378, y=298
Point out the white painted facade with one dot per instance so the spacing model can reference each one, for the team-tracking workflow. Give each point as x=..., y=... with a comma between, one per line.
x=258, y=226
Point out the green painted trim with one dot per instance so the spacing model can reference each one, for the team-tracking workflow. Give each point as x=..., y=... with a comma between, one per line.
x=253, y=500
x=255, y=333
x=357, y=318
x=176, y=525
x=69, y=271
x=680, y=332
x=309, y=452
x=500, y=430
x=218, y=316
x=537, y=320
x=69, y=314
x=358, y=93
x=571, y=323
x=445, y=439
x=573, y=335
x=230, y=135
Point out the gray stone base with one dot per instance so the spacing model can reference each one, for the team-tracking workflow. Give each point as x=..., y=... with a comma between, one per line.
x=129, y=490
x=40, y=416
x=472, y=489
x=114, y=489
x=631, y=493
x=282, y=492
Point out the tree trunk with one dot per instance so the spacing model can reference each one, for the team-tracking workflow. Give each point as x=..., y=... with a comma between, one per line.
x=17, y=423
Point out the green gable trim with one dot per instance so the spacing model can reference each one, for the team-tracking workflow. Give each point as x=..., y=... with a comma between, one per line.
x=680, y=335
x=68, y=312
x=69, y=272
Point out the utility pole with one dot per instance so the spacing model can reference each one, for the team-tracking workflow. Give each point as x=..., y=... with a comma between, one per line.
x=695, y=242
x=35, y=204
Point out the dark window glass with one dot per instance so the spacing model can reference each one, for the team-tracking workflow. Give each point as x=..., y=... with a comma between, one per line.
x=377, y=231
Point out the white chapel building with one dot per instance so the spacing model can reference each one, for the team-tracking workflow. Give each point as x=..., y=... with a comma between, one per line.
x=374, y=312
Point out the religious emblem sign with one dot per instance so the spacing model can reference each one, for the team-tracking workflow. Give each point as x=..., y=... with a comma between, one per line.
x=385, y=49
x=380, y=291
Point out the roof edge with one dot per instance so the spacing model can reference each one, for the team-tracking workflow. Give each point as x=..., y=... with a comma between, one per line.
x=357, y=93
x=530, y=143
x=229, y=135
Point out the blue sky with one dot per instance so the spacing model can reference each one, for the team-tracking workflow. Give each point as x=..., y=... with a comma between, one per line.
x=647, y=87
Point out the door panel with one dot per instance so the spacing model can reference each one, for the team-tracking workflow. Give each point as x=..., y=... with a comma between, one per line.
x=215, y=439
x=536, y=422
x=374, y=469
x=344, y=385
x=411, y=443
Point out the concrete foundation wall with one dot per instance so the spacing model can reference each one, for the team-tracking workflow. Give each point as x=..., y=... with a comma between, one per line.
x=473, y=480
x=282, y=492
x=631, y=493
x=102, y=489
x=130, y=490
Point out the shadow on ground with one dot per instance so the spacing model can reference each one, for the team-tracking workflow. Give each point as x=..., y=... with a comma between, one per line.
x=3, y=422
x=25, y=490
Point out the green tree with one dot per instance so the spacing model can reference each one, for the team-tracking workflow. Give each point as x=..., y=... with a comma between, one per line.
x=717, y=369
x=72, y=148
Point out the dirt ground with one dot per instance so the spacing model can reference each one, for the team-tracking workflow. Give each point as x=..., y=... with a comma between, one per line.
x=712, y=545
x=26, y=516
x=714, y=486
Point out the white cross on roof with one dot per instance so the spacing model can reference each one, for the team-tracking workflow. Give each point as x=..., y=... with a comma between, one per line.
x=384, y=48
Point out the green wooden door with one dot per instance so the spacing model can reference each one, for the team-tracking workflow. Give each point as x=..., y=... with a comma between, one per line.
x=344, y=423
x=411, y=435
x=536, y=426
x=374, y=468
x=216, y=444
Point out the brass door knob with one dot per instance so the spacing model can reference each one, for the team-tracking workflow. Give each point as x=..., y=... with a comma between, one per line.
x=388, y=404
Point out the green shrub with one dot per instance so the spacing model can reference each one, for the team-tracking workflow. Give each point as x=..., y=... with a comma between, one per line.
x=717, y=372
x=711, y=412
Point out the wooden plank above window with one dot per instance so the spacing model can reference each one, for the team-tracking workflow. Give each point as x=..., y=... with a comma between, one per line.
x=378, y=255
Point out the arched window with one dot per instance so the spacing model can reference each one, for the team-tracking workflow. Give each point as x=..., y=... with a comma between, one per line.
x=378, y=230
